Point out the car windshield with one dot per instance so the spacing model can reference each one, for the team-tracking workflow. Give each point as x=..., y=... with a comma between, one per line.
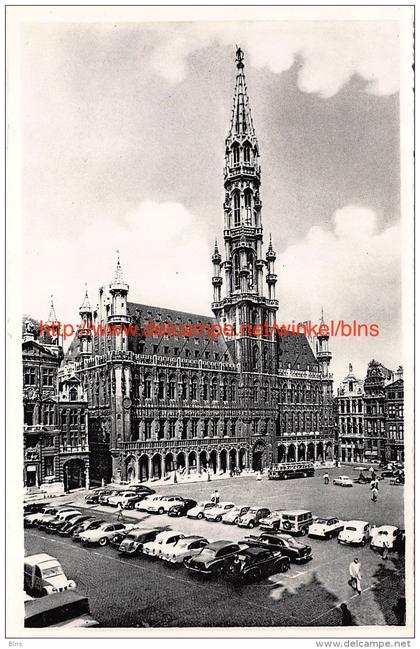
x=383, y=533
x=321, y=521
x=351, y=529
x=184, y=543
x=253, y=510
x=94, y=525
x=203, y=504
x=295, y=544
x=208, y=553
x=54, y=571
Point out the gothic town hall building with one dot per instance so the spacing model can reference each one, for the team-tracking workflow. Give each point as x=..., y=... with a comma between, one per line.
x=157, y=404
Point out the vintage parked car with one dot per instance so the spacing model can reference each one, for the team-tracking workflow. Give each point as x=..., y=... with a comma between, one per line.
x=364, y=478
x=34, y=508
x=343, y=481
x=142, y=505
x=93, y=498
x=135, y=539
x=212, y=559
x=271, y=522
x=163, y=505
x=104, y=497
x=44, y=575
x=253, y=516
x=251, y=564
x=85, y=527
x=325, y=528
x=185, y=549
x=47, y=511
x=68, y=527
x=164, y=542
x=216, y=513
x=198, y=511
x=388, y=534
x=56, y=523
x=140, y=488
x=181, y=509
x=104, y=533
x=127, y=499
x=355, y=532
x=284, y=543
x=232, y=516
x=116, y=540
x=45, y=522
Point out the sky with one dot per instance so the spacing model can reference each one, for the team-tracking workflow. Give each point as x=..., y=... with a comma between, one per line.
x=122, y=140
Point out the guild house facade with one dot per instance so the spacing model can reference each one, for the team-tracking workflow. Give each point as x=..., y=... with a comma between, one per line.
x=156, y=404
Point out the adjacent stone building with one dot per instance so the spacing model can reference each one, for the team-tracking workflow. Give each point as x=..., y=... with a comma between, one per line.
x=350, y=418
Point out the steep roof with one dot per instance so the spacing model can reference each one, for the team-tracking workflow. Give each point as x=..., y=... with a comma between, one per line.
x=297, y=351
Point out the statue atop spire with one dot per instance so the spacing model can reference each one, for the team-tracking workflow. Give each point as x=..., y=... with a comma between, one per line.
x=239, y=58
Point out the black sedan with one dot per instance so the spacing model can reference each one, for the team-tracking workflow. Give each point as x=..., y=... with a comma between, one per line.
x=70, y=526
x=213, y=559
x=284, y=543
x=251, y=564
x=181, y=509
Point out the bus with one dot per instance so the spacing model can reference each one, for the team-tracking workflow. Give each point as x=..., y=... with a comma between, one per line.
x=287, y=470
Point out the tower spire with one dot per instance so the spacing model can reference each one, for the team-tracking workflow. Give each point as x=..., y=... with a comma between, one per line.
x=52, y=316
x=241, y=124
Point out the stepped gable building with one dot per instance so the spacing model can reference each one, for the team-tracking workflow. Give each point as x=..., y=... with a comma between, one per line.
x=394, y=418
x=156, y=404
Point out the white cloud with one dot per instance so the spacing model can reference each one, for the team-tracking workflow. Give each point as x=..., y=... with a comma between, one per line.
x=330, y=52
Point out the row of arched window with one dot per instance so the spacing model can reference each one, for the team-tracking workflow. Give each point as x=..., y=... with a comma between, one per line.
x=189, y=390
x=188, y=429
x=300, y=394
x=299, y=422
x=247, y=153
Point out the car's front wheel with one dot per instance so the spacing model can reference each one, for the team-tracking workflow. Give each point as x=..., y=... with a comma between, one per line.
x=284, y=566
x=161, y=510
x=218, y=519
x=251, y=524
x=103, y=541
x=200, y=516
x=254, y=574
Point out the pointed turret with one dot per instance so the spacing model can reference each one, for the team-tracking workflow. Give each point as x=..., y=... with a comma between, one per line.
x=241, y=124
x=52, y=316
x=323, y=351
x=85, y=309
x=119, y=316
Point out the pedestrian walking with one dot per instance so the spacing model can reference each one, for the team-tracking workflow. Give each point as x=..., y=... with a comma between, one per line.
x=120, y=516
x=355, y=575
x=215, y=497
x=374, y=494
x=386, y=548
x=346, y=616
x=326, y=478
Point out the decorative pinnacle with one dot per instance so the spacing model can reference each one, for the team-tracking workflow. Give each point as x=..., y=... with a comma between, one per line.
x=322, y=315
x=239, y=58
x=118, y=277
x=85, y=308
x=271, y=255
x=216, y=258
x=52, y=317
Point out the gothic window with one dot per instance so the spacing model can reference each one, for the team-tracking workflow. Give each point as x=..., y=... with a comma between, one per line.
x=214, y=390
x=161, y=388
x=255, y=391
x=235, y=151
x=206, y=389
x=161, y=431
x=224, y=391
x=73, y=394
x=194, y=427
x=194, y=388
x=250, y=266
x=236, y=275
x=247, y=152
x=265, y=392
x=172, y=387
x=236, y=209
x=64, y=418
x=255, y=357
x=233, y=391
x=248, y=206
x=184, y=387
x=148, y=387
x=148, y=429
x=172, y=428
x=183, y=430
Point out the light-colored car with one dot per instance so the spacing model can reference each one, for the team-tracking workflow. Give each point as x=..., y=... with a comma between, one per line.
x=164, y=542
x=184, y=549
x=104, y=533
x=59, y=516
x=48, y=513
x=43, y=575
x=253, y=516
x=325, y=528
x=343, y=481
x=123, y=498
x=216, y=513
x=198, y=511
x=271, y=522
x=355, y=532
x=163, y=505
x=384, y=534
x=233, y=515
x=143, y=504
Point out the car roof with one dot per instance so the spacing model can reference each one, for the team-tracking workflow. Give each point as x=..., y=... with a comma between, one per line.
x=168, y=533
x=217, y=545
x=255, y=551
x=39, y=558
x=355, y=522
x=295, y=512
x=388, y=528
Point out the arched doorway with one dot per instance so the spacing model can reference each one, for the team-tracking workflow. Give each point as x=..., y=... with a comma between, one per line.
x=203, y=459
x=180, y=461
x=329, y=451
x=74, y=474
x=213, y=460
x=232, y=459
x=257, y=456
x=242, y=459
x=157, y=466
x=169, y=462
x=281, y=453
x=320, y=452
x=192, y=460
x=144, y=468
x=291, y=453
x=310, y=455
x=223, y=461
x=301, y=453
x=130, y=468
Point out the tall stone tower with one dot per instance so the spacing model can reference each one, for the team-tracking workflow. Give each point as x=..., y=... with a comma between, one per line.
x=244, y=266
